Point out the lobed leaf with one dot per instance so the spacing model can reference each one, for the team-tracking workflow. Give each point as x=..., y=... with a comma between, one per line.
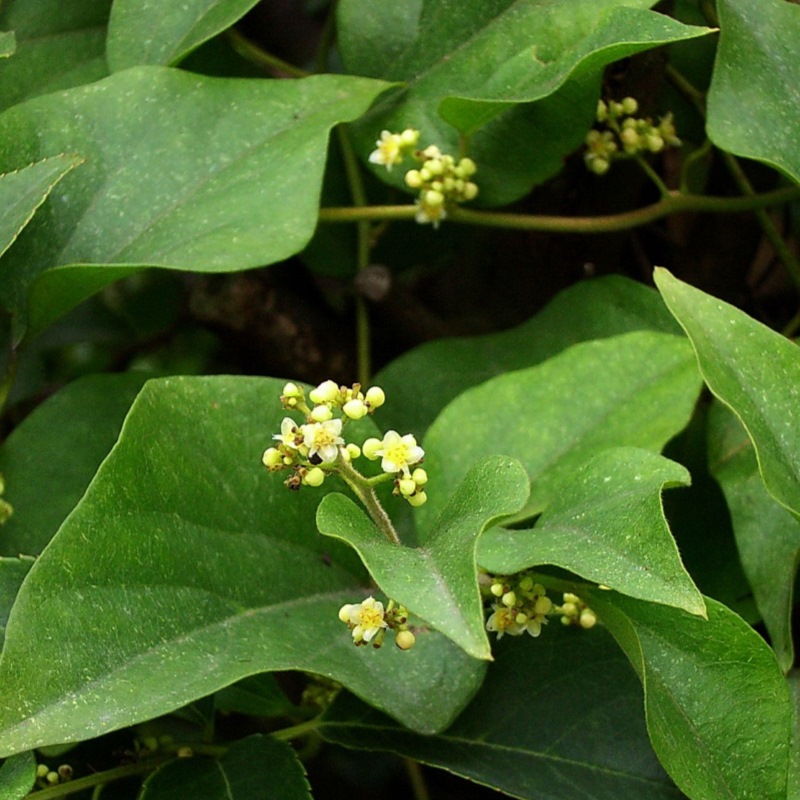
x=151, y=32
x=717, y=708
x=754, y=371
x=754, y=99
x=182, y=172
x=253, y=767
x=606, y=524
x=635, y=390
x=767, y=535
x=437, y=581
x=557, y=717
x=186, y=567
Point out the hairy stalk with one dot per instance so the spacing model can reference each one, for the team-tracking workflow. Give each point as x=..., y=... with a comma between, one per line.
x=366, y=494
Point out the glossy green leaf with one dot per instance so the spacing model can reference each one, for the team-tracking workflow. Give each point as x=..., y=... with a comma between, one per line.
x=753, y=102
x=557, y=717
x=538, y=69
x=753, y=370
x=24, y=190
x=438, y=580
x=594, y=309
x=182, y=172
x=217, y=573
x=59, y=45
x=767, y=535
x=8, y=44
x=12, y=573
x=17, y=775
x=717, y=706
x=258, y=766
x=606, y=524
x=634, y=390
x=151, y=32
x=531, y=48
x=49, y=460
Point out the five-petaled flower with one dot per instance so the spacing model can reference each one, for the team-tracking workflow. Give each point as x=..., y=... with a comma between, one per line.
x=388, y=150
x=323, y=439
x=365, y=618
x=288, y=434
x=398, y=452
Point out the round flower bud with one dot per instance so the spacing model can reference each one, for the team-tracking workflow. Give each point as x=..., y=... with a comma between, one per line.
x=570, y=609
x=52, y=777
x=42, y=770
x=344, y=612
x=353, y=450
x=521, y=618
x=598, y=165
x=526, y=584
x=419, y=476
x=434, y=166
x=509, y=599
x=413, y=179
x=375, y=397
x=655, y=143
x=466, y=167
x=370, y=448
x=407, y=487
x=314, y=477
x=544, y=605
x=432, y=198
x=425, y=175
x=418, y=499
x=629, y=138
x=409, y=138
x=629, y=105
x=355, y=409
x=602, y=111
x=272, y=458
x=470, y=190
x=326, y=392
x=405, y=640
x=588, y=619
x=321, y=413
x=292, y=390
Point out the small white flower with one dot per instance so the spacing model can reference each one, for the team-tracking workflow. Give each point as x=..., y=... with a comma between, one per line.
x=365, y=619
x=388, y=150
x=323, y=439
x=399, y=452
x=288, y=433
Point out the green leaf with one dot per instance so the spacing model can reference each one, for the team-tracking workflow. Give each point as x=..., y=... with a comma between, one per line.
x=183, y=172
x=754, y=371
x=24, y=190
x=59, y=45
x=557, y=717
x=532, y=48
x=767, y=535
x=754, y=102
x=596, y=309
x=12, y=573
x=217, y=573
x=8, y=44
x=716, y=703
x=634, y=390
x=793, y=681
x=606, y=524
x=258, y=696
x=151, y=32
x=17, y=775
x=258, y=766
x=437, y=581
x=540, y=68
x=49, y=460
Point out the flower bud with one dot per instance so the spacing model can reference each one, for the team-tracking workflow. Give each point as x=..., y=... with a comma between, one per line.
x=407, y=487
x=413, y=179
x=470, y=191
x=409, y=138
x=370, y=448
x=375, y=397
x=418, y=499
x=509, y=599
x=326, y=392
x=353, y=450
x=314, y=477
x=419, y=476
x=355, y=409
x=588, y=619
x=629, y=105
x=321, y=413
x=405, y=640
x=272, y=458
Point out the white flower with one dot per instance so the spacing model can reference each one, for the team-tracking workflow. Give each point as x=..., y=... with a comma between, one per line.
x=323, y=439
x=388, y=150
x=288, y=433
x=399, y=452
x=365, y=619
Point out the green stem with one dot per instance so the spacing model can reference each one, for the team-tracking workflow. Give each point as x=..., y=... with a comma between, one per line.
x=673, y=204
x=419, y=788
x=297, y=731
x=8, y=378
x=251, y=52
x=359, y=195
x=326, y=39
x=366, y=494
x=653, y=175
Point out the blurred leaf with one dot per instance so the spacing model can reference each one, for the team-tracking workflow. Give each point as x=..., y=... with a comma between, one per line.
x=594, y=309
x=606, y=524
x=17, y=776
x=506, y=52
x=754, y=101
x=716, y=703
x=24, y=190
x=258, y=696
x=255, y=767
x=754, y=371
x=49, y=460
x=182, y=171
x=8, y=44
x=12, y=573
x=793, y=681
x=59, y=45
x=217, y=573
x=634, y=390
x=437, y=581
x=767, y=535
x=557, y=717
x=152, y=32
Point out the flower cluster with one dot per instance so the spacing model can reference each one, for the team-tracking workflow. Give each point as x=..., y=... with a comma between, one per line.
x=368, y=620
x=575, y=612
x=317, y=447
x=625, y=135
x=521, y=605
x=6, y=509
x=49, y=777
x=441, y=180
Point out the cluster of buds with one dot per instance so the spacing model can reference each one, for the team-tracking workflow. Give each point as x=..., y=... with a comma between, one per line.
x=316, y=448
x=625, y=135
x=6, y=510
x=368, y=622
x=50, y=777
x=440, y=179
x=520, y=605
x=575, y=612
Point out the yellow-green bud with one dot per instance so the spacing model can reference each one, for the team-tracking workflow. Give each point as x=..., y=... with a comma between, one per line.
x=470, y=191
x=321, y=413
x=466, y=167
x=355, y=409
x=418, y=499
x=629, y=105
x=353, y=450
x=588, y=619
x=432, y=199
x=419, y=476
x=497, y=589
x=42, y=770
x=272, y=458
x=602, y=111
x=292, y=390
x=314, y=477
x=375, y=397
x=370, y=448
x=543, y=606
x=409, y=138
x=509, y=599
x=344, y=612
x=413, y=179
x=655, y=144
x=326, y=392
x=526, y=584
x=405, y=640
x=52, y=777
x=407, y=487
